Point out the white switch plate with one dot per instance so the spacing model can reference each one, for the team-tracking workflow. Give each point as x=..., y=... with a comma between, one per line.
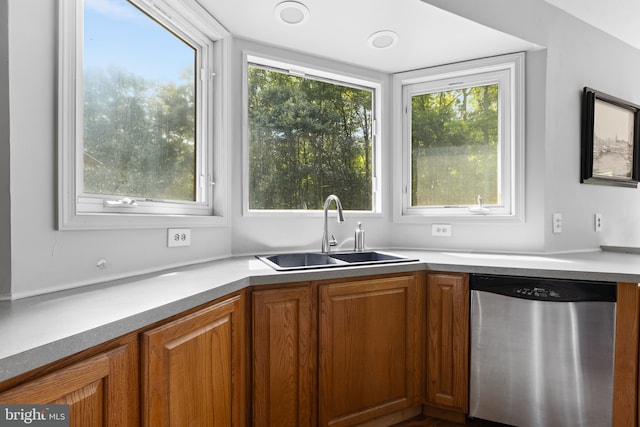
x=557, y=223
x=178, y=237
x=441, y=230
x=597, y=222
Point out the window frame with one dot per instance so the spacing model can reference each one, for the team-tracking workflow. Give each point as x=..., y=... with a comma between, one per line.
x=76, y=210
x=508, y=72
x=297, y=68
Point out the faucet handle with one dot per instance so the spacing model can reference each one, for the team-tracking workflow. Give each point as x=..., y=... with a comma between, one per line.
x=333, y=241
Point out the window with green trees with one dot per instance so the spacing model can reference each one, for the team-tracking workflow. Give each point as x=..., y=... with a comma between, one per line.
x=463, y=140
x=139, y=114
x=136, y=97
x=308, y=137
x=455, y=147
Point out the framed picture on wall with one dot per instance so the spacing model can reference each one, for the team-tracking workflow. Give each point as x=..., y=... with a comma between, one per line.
x=610, y=140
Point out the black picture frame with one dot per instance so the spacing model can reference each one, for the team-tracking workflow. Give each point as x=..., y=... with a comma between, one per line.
x=610, y=140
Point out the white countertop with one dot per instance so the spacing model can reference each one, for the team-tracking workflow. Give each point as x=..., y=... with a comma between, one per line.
x=39, y=330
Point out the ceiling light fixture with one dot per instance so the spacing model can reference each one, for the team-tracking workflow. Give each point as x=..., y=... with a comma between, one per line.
x=383, y=39
x=292, y=12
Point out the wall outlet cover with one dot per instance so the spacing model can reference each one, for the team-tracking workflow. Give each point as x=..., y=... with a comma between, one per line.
x=178, y=237
x=557, y=223
x=597, y=222
x=441, y=230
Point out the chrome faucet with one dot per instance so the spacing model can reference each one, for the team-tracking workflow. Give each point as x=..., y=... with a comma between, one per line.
x=326, y=243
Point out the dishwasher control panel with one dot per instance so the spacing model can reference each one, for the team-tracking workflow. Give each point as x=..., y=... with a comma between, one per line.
x=543, y=289
x=536, y=292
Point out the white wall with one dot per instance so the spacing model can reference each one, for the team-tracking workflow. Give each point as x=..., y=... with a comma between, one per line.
x=43, y=259
x=578, y=55
x=5, y=215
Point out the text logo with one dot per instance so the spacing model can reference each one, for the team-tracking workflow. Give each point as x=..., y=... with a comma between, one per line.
x=34, y=415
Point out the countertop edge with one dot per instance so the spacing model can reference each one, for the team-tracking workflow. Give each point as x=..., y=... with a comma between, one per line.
x=42, y=354
x=208, y=281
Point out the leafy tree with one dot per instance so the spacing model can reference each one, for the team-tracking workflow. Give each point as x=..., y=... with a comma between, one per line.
x=308, y=139
x=454, y=142
x=138, y=136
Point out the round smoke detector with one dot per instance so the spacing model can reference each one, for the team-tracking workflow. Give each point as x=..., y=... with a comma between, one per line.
x=292, y=12
x=383, y=39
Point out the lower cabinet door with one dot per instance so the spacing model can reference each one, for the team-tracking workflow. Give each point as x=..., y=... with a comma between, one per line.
x=100, y=391
x=368, y=335
x=447, y=341
x=284, y=358
x=193, y=369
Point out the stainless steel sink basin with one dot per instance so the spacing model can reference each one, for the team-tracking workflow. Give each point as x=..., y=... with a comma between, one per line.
x=367, y=257
x=311, y=260
x=298, y=260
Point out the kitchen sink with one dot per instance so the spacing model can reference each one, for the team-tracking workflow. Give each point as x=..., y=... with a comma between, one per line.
x=299, y=260
x=312, y=260
x=366, y=257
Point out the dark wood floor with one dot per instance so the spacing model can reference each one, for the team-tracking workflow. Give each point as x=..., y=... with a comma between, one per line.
x=423, y=421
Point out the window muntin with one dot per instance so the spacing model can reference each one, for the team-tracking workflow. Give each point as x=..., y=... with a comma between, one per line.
x=188, y=26
x=309, y=134
x=465, y=163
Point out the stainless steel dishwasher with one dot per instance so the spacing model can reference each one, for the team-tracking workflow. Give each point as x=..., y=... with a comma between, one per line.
x=541, y=351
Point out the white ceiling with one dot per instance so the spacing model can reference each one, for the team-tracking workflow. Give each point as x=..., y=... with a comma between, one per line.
x=339, y=29
x=620, y=18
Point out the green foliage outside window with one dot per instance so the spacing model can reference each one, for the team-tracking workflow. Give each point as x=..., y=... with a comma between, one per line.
x=308, y=139
x=454, y=147
x=138, y=136
x=139, y=109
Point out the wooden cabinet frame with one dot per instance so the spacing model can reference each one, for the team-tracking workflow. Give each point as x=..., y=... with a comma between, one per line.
x=284, y=357
x=625, y=372
x=370, y=352
x=299, y=329
x=193, y=369
x=447, y=346
x=101, y=390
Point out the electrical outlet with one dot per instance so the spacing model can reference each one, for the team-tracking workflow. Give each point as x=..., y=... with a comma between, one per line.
x=597, y=222
x=557, y=223
x=441, y=230
x=178, y=237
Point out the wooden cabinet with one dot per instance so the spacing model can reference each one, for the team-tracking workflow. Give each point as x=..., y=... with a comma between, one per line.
x=100, y=391
x=447, y=341
x=284, y=357
x=332, y=353
x=369, y=341
x=193, y=369
x=625, y=373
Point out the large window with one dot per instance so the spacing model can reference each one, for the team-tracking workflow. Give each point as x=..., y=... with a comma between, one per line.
x=139, y=105
x=462, y=141
x=309, y=135
x=136, y=89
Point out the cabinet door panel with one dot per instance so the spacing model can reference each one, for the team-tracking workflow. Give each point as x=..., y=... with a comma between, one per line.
x=284, y=357
x=193, y=369
x=100, y=391
x=625, y=372
x=447, y=340
x=367, y=350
